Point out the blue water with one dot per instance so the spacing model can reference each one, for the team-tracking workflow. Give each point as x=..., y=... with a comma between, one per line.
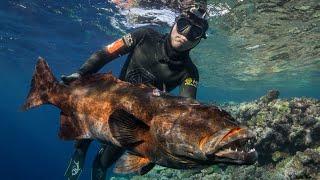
x=30, y=146
x=65, y=33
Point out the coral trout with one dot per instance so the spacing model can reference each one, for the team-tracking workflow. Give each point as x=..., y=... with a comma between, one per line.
x=153, y=127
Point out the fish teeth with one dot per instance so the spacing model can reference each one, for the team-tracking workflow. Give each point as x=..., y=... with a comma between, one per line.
x=252, y=150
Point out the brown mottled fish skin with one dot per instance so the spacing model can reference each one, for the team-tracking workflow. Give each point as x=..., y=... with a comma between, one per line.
x=167, y=130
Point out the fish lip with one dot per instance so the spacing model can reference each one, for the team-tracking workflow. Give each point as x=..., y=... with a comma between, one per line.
x=246, y=134
x=219, y=140
x=221, y=153
x=248, y=159
x=239, y=157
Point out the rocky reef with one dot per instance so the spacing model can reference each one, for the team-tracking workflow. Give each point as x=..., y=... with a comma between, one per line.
x=287, y=140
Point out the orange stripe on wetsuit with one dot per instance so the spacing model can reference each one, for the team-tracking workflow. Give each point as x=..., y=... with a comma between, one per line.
x=115, y=47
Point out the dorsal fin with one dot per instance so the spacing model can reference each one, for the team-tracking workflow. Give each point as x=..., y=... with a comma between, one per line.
x=126, y=128
x=130, y=163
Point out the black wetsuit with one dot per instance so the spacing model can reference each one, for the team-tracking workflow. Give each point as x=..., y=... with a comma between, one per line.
x=151, y=60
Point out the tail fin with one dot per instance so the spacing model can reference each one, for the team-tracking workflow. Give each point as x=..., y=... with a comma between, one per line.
x=42, y=84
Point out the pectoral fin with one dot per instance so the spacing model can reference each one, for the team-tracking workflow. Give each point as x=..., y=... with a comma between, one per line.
x=126, y=128
x=130, y=163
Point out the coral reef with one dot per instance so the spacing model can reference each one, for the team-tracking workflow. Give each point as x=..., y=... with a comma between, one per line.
x=281, y=125
x=287, y=139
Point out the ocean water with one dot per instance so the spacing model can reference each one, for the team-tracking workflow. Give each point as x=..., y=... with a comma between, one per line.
x=65, y=33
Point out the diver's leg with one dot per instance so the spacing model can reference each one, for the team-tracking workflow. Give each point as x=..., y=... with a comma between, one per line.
x=107, y=155
x=76, y=163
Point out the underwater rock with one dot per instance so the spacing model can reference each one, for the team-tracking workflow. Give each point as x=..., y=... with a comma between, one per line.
x=277, y=156
x=271, y=95
x=281, y=125
x=287, y=140
x=303, y=165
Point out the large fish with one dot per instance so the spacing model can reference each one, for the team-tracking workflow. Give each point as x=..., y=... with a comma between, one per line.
x=153, y=126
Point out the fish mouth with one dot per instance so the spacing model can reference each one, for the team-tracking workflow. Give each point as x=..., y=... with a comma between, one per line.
x=235, y=147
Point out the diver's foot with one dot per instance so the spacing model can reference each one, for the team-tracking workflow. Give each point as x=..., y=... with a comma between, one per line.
x=98, y=170
x=75, y=166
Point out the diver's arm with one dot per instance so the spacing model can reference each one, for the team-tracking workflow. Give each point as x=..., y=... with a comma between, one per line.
x=98, y=59
x=188, y=88
x=189, y=82
x=108, y=53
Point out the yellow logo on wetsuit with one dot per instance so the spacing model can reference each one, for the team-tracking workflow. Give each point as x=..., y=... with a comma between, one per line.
x=190, y=82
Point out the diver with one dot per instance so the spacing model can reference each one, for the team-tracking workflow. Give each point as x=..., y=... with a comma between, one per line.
x=161, y=61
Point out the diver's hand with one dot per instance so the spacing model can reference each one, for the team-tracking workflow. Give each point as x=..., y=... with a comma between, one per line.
x=72, y=77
